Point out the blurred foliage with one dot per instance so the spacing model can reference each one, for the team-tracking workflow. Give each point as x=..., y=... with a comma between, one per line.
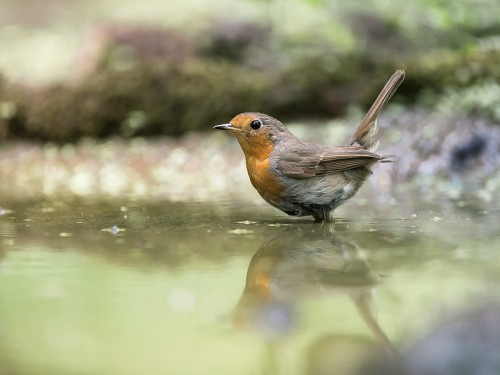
x=309, y=58
x=146, y=100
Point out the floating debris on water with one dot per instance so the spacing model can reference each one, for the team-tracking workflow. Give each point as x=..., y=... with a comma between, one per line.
x=65, y=234
x=437, y=218
x=114, y=230
x=241, y=231
x=246, y=222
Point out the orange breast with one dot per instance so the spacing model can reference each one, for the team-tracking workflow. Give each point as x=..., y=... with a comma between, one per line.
x=264, y=181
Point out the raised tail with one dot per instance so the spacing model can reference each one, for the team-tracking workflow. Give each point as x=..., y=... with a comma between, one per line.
x=367, y=129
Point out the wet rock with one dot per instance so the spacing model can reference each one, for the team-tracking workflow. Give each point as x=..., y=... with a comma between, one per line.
x=150, y=99
x=465, y=344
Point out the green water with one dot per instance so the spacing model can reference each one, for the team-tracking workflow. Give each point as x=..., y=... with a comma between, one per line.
x=162, y=288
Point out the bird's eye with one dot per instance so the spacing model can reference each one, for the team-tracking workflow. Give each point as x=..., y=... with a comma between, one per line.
x=256, y=124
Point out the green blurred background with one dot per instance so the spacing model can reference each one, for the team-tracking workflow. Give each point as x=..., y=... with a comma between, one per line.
x=84, y=68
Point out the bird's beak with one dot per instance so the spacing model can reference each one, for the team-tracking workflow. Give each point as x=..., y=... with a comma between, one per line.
x=224, y=127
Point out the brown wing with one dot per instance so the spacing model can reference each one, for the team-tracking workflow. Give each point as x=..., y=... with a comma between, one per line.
x=319, y=161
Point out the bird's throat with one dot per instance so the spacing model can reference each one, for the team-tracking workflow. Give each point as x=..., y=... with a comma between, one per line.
x=258, y=148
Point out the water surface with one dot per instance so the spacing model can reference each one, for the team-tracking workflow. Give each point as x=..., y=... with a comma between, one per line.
x=89, y=287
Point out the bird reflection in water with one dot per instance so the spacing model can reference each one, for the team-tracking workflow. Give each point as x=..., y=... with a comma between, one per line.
x=298, y=265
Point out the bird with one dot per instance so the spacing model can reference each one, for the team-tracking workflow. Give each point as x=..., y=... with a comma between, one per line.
x=307, y=179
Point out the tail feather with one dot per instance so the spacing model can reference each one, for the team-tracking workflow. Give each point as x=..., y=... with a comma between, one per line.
x=388, y=158
x=367, y=129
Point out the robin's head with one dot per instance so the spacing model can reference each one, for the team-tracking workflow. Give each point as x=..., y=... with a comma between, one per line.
x=257, y=133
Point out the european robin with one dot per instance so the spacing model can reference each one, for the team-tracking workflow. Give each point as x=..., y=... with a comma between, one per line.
x=302, y=178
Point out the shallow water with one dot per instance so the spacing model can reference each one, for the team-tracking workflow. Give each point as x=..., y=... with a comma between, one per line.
x=91, y=287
